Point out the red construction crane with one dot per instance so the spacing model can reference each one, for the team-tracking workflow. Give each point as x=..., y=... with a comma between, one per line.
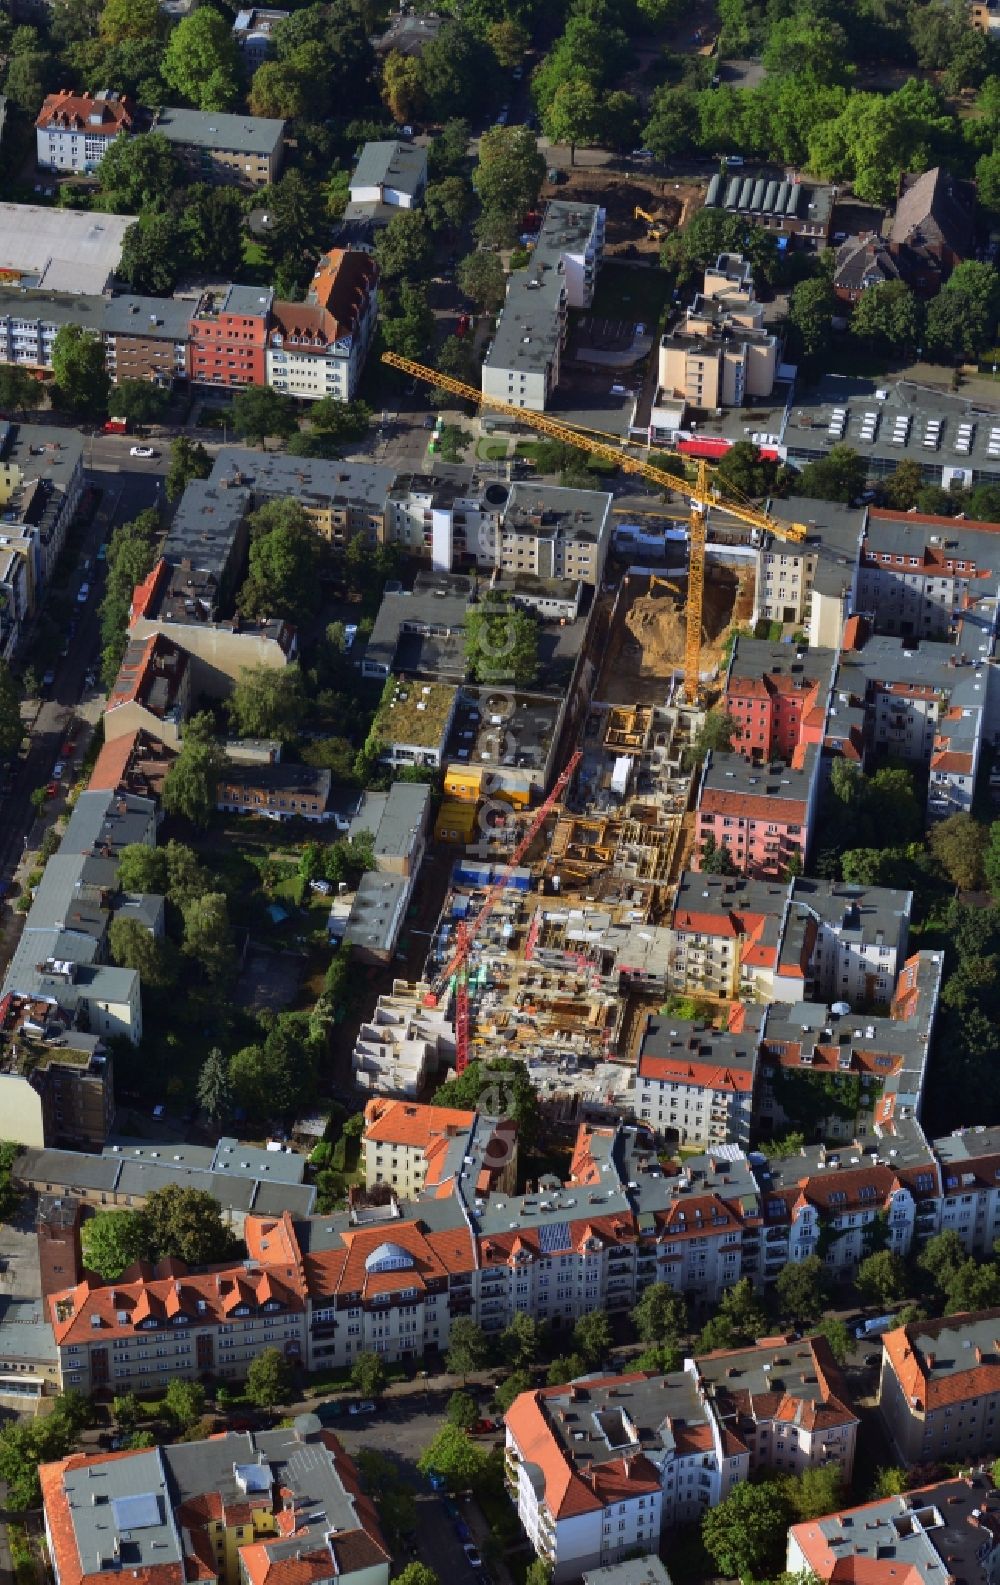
x=467, y=935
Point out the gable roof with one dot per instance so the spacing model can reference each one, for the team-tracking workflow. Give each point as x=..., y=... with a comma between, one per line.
x=934, y=209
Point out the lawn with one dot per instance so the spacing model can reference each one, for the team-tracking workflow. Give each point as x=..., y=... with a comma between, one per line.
x=491, y=450
x=627, y=292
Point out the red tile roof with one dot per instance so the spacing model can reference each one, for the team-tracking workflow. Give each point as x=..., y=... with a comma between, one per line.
x=77, y=112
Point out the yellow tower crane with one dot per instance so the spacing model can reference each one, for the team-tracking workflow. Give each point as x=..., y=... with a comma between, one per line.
x=701, y=494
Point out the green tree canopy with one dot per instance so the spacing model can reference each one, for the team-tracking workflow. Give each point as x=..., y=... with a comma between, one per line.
x=11, y=726
x=509, y=174
x=745, y=1534
x=403, y=248
x=259, y=412
x=184, y=1401
x=267, y=702
x=481, y=277
x=269, y=1379
x=81, y=380
x=962, y=318
x=191, y=783
x=802, y=1290
x=881, y=1278
x=140, y=173
x=202, y=61
x=453, y=1455
x=135, y=947
x=114, y=1240
x=368, y=1375
x=187, y=1223
x=207, y=937
x=284, y=568
x=188, y=460
x=18, y=389
x=468, y=1349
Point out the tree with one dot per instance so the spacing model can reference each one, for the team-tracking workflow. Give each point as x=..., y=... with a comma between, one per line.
x=745, y=1534
x=207, y=936
x=11, y=726
x=988, y=180
x=278, y=1077
x=538, y=1572
x=573, y=114
x=802, y=1290
x=468, y=1349
x=187, y=1223
x=202, y=61
x=810, y=311
x=509, y=40
x=521, y=1341
x=259, y=411
x=889, y=314
x=131, y=19
x=184, y=1401
x=715, y=734
x=29, y=76
x=416, y=1574
x=447, y=203
x=81, y=380
x=839, y=476
x=958, y=844
x=410, y=330
x=716, y=858
x=403, y=247
x=267, y=702
x=566, y=1368
x=660, y=1315
x=461, y=1411
x=744, y=470
x=815, y=1492
x=140, y=173
x=114, y=1240
x=403, y=87
x=191, y=783
x=500, y=1087
x=481, y=277
x=902, y=488
x=501, y=643
x=140, y=401
x=188, y=460
x=341, y=420
x=455, y=1457
x=881, y=1278
x=449, y=150
x=962, y=318
x=18, y=389
x=135, y=947
x=739, y=1319
x=127, y=1410
x=142, y=869
x=212, y=228
x=510, y=171
x=972, y=1285
x=592, y=1336
x=838, y=1336
x=457, y=71
x=284, y=568
x=368, y=1375
x=269, y=1379
x=214, y=1091
x=153, y=253
x=517, y=1382
x=991, y=859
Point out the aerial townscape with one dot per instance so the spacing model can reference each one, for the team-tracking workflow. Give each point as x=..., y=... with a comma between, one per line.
x=500, y=792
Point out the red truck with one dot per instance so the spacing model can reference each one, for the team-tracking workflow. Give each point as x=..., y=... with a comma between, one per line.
x=116, y=426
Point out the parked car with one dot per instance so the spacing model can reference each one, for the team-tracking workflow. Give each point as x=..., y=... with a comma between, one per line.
x=363, y=1406
x=485, y=1427
x=462, y=1531
x=83, y=594
x=52, y=789
x=59, y=770
x=472, y=1556
x=141, y=451
x=438, y=1482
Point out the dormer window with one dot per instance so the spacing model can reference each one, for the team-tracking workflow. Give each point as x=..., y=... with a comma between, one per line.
x=180, y=1320
x=242, y=1309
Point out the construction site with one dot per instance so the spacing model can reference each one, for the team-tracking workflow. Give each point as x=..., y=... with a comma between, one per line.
x=645, y=654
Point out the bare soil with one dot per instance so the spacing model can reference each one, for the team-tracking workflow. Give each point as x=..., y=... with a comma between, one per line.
x=620, y=193
x=647, y=643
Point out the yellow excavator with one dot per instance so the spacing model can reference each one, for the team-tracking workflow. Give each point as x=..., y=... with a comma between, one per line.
x=656, y=230
x=701, y=494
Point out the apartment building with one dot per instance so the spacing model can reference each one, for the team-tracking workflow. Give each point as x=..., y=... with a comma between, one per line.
x=841, y=943
x=138, y=1335
x=725, y=933
x=318, y=348
x=948, y=1530
x=218, y=147
x=718, y=351
x=56, y=1081
x=340, y=499
x=145, y=338
x=762, y=815
x=939, y=1388
x=777, y=696
x=16, y=590
x=925, y=577
x=41, y=485
x=275, y=792
x=227, y=337
x=598, y=1468
x=414, y=721
x=919, y=701
x=152, y=691
x=522, y=364
x=255, y=1507
x=418, y=1149
x=73, y=131
x=806, y=584
x=695, y=1083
